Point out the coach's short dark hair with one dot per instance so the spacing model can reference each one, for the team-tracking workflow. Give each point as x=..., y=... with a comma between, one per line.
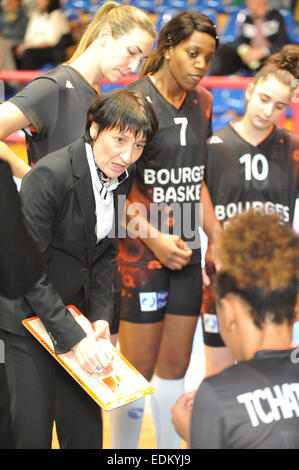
x=122, y=109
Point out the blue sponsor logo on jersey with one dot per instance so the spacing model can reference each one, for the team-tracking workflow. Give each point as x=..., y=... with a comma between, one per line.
x=210, y=323
x=152, y=301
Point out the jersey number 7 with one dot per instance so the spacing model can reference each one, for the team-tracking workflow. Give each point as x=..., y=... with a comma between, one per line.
x=183, y=121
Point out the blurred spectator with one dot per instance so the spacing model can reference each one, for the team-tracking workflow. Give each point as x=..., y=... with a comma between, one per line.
x=287, y=4
x=13, y=24
x=262, y=32
x=29, y=6
x=47, y=37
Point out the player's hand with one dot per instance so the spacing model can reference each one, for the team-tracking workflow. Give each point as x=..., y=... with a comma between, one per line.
x=252, y=54
x=206, y=281
x=171, y=251
x=181, y=414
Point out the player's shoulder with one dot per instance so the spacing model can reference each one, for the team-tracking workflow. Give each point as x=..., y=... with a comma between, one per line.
x=294, y=139
x=220, y=136
x=142, y=84
x=204, y=93
x=54, y=75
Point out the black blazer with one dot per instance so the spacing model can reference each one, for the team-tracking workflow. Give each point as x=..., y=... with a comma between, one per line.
x=59, y=207
x=21, y=263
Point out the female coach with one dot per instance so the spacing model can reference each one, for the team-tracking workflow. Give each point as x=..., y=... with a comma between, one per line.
x=160, y=306
x=70, y=200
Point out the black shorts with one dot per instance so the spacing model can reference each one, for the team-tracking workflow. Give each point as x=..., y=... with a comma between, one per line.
x=148, y=294
x=210, y=329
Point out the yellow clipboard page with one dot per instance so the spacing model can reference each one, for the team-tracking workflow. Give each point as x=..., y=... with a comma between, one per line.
x=124, y=385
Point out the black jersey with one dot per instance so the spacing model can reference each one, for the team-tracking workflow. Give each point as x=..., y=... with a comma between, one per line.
x=242, y=176
x=171, y=169
x=254, y=404
x=56, y=104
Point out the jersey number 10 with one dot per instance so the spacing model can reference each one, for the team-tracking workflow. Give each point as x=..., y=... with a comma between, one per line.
x=256, y=167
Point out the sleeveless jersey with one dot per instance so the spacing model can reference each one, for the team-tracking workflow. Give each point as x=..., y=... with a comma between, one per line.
x=56, y=105
x=170, y=171
x=251, y=405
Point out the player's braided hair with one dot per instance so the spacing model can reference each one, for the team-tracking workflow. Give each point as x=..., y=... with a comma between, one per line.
x=260, y=262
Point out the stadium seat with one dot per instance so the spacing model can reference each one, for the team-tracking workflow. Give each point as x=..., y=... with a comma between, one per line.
x=218, y=6
x=290, y=24
x=232, y=28
x=222, y=120
x=212, y=14
x=180, y=4
x=164, y=17
x=83, y=5
x=147, y=5
x=225, y=99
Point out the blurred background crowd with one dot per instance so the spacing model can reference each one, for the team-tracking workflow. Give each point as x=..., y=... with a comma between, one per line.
x=40, y=34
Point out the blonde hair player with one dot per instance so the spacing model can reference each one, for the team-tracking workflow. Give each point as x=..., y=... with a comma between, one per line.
x=52, y=108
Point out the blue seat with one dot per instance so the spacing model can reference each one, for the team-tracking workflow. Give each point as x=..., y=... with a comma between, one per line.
x=180, y=4
x=218, y=6
x=225, y=99
x=71, y=13
x=219, y=121
x=164, y=17
x=167, y=14
x=147, y=5
x=76, y=5
x=232, y=28
x=162, y=5
x=290, y=25
x=212, y=14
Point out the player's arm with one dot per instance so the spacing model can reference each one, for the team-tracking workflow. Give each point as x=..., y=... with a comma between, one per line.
x=11, y=120
x=206, y=431
x=36, y=105
x=181, y=415
x=211, y=225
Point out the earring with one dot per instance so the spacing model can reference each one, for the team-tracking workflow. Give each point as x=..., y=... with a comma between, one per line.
x=167, y=57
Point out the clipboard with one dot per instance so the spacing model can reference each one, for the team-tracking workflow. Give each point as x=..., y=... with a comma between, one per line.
x=124, y=385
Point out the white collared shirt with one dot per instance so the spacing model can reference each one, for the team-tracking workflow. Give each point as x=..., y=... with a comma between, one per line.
x=103, y=195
